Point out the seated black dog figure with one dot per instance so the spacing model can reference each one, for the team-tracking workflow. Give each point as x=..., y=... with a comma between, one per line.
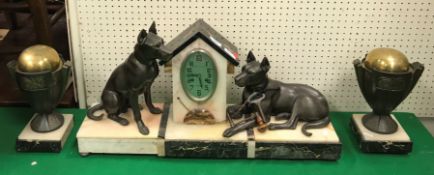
x=131, y=78
x=293, y=102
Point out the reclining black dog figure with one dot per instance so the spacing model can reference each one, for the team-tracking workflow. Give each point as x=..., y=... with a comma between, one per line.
x=132, y=78
x=292, y=102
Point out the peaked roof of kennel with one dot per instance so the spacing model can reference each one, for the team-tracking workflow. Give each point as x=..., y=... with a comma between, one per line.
x=200, y=29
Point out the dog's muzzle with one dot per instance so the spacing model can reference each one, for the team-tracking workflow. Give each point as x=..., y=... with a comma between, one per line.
x=166, y=56
x=239, y=80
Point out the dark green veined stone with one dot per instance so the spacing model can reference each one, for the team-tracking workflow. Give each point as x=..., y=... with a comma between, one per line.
x=199, y=76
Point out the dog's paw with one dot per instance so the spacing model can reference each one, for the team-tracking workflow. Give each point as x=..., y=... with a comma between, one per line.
x=155, y=110
x=233, y=111
x=142, y=128
x=229, y=132
x=121, y=121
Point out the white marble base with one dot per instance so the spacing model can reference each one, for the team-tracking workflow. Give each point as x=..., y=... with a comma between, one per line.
x=399, y=136
x=177, y=131
x=371, y=142
x=31, y=141
x=172, y=139
x=108, y=136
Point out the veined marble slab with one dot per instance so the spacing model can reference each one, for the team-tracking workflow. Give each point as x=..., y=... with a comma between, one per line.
x=203, y=141
x=108, y=136
x=371, y=142
x=31, y=141
x=324, y=144
x=399, y=136
x=169, y=138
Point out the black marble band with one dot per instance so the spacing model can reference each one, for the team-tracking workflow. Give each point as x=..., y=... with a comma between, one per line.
x=308, y=151
x=38, y=146
x=206, y=149
x=163, y=121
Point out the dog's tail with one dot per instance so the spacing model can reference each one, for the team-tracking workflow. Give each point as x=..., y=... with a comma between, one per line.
x=316, y=124
x=92, y=110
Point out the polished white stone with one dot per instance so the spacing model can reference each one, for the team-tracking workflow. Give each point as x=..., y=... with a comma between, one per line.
x=182, y=131
x=60, y=134
x=108, y=136
x=399, y=136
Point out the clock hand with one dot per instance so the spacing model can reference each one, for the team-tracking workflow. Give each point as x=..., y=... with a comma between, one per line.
x=200, y=81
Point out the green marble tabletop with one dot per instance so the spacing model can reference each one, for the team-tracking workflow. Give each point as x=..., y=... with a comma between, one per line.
x=352, y=161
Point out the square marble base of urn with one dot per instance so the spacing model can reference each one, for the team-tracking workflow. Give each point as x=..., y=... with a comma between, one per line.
x=108, y=136
x=31, y=141
x=371, y=142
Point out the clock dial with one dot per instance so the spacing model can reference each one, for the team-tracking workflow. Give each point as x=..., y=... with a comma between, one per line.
x=199, y=76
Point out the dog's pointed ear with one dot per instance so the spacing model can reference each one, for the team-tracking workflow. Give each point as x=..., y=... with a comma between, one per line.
x=153, y=28
x=265, y=64
x=142, y=35
x=250, y=57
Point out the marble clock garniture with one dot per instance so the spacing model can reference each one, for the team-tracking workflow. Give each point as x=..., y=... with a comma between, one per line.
x=132, y=78
x=385, y=78
x=291, y=102
x=43, y=77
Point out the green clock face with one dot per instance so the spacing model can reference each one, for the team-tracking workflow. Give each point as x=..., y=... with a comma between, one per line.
x=199, y=76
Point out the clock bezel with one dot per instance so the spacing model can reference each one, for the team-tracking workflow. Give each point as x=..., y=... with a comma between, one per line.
x=214, y=87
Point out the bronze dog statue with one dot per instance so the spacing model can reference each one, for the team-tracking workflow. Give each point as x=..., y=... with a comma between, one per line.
x=292, y=102
x=132, y=78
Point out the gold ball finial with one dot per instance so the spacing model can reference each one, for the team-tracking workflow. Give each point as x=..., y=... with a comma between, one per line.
x=387, y=60
x=39, y=58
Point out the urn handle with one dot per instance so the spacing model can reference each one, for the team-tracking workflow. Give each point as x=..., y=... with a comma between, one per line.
x=418, y=70
x=12, y=67
x=64, y=79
